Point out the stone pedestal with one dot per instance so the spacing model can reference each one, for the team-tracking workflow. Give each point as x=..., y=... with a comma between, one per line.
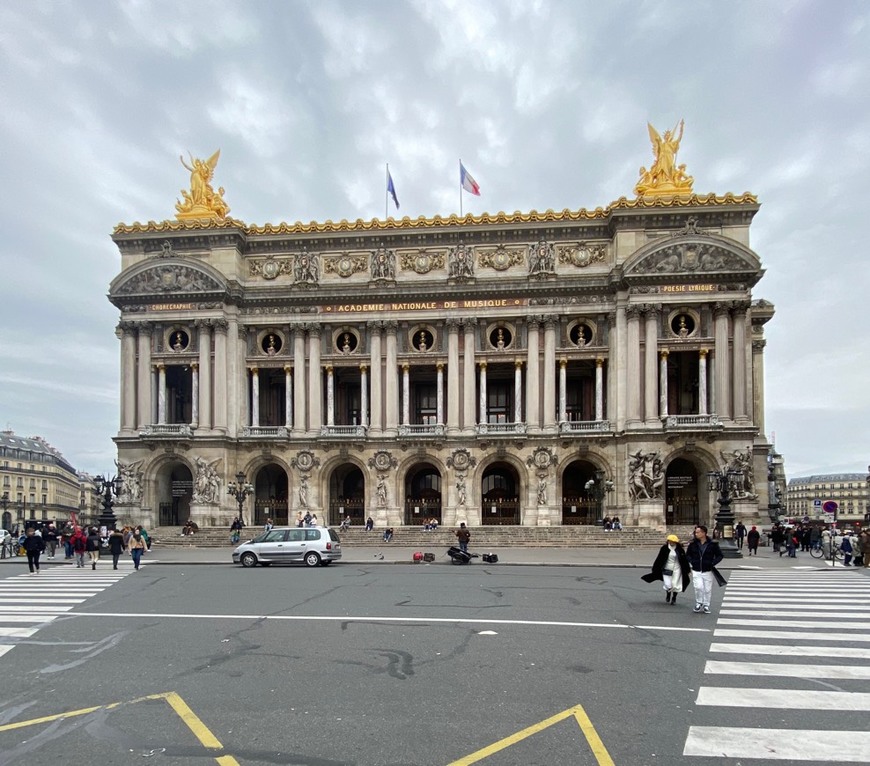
x=650, y=513
x=746, y=510
x=542, y=516
x=205, y=515
x=131, y=515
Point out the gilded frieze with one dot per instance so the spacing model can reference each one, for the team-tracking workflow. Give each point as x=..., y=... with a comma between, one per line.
x=422, y=261
x=501, y=258
x=582, y=254
x=345, y=265
x=270, y=268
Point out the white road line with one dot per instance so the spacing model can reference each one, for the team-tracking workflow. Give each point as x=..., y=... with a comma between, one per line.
x=725, y=612
x=35, y=600
x=826, y=625
x=5, y=648
x=25, y=618
x=783, y=634
x=792, y=651
x=788, y=670
x=792, y=602
x=17, y=632
x=818, y=746
x=16, y=608
x=783, y=699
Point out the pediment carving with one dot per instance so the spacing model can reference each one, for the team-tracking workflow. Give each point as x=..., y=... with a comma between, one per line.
x=691, y=256
x=169, y=278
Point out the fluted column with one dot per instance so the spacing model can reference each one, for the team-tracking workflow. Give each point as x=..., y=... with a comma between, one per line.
x=363, y=395
x=377, y=380
x=702, y=381
x=452, y=376
x=161, y=394
x=237, y=378
x=299, y=410
x=144, y=412
x=129, y=378
x=632, y=368
x=439, y=394
x=518, y=390
x=255, y=396
x=288, y=397
x=758, y=383
x=723, y=372
x=550, y=373
x=468, y=419
x=194, y=398
x=739, y=368
x=221, y=374
x=482, y=414
x=315, y=381
x=563, y=393
x=599, y=390
x=533, y=379
x=651, y=372
x=391, y=384
x=205, y=375
x=406, y=393
x=663, y=383
x=330, y=395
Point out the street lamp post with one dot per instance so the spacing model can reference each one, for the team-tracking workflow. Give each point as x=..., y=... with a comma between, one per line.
x=597, y=488
x=107, y=489
x=240, y=489
x=721, y=482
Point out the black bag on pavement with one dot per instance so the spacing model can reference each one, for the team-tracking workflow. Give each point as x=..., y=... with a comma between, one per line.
x=490, y=558
x=458, y=556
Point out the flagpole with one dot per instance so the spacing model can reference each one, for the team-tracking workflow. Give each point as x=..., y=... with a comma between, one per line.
x=460, y=187
x=387, y=193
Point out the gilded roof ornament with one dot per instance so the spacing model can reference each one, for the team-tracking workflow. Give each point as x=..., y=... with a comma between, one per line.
x=202, y=201
x=665, y=178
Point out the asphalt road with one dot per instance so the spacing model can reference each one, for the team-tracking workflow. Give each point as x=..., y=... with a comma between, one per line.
x=361, y=664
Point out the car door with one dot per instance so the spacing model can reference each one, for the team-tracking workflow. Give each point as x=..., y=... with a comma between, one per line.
x=295, y=546
x=272, y=546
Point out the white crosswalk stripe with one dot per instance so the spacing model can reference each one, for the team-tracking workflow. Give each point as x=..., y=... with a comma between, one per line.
x=788, y=642
x=30, y=602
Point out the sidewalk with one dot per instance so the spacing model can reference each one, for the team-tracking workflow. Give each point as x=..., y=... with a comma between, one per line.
x=640, y=558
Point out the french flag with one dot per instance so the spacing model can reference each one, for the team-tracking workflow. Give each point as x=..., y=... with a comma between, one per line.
x=467, y=182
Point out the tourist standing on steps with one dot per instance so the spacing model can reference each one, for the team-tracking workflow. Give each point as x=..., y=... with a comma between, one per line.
x=672, y=568
x=33, y=545
x=703, y=555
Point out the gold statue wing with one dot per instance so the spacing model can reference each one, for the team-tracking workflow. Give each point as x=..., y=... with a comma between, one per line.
x=213, y=160
x=654, y=137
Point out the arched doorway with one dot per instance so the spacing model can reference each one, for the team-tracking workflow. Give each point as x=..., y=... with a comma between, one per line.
x=681, y=493
x=422, y=494
x=500, y=496
x=174, y=491
x=579, y=504
x=347, y=494
x=270, y=496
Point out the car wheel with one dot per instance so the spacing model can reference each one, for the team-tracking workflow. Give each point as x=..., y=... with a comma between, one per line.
x=248, y=560
x=312, y=559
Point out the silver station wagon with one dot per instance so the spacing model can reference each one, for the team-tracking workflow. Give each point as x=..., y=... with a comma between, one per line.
x=311, y=546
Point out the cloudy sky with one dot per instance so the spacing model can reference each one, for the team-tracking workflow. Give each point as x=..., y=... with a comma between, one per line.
x=546, y=102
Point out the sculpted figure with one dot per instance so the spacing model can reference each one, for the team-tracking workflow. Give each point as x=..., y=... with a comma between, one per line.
x=461, y=496
x=664, y=177
x=542, y=490
x=646, y=476
x=303, y=492
x=542, y=259
x=131, y=481
x=382, y=491
x=202, y=200
x=206, y=485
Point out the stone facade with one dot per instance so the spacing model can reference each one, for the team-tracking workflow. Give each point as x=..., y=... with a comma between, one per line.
x=535, y=369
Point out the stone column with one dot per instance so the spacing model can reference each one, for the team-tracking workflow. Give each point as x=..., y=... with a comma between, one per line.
x=377, y=379
x=194, y=403
x=221, y=373
x=599, y=390
x=299, y=410
x=533, y=376
x=363, y=395
x=550, y=374
x=738, y=350
x=288, y=397
x=468, y=420
x=632, y=368
x=155, y=389
x=391, y=384
x=702, y=381
x=406, y=394
x=482, y=418
x=617, y=384
x=144, y=412
x=452, y=376
x=651, y=353
x=439, y=394
x=518, y=391
x=723, y=376
x=315, y=381
x=330, y=395
x=128, y=377
x=758, y=383
x=204, y=375
x=663, y=383
x=161, y=394
x=563, y=393
x=237, y=378
x=255, y=396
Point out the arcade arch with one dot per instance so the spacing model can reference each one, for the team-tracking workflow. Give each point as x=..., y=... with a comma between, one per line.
x=347, y=494
x=173, y=493
x=579, y=505
x=270, y=495
x=500, y=495
x=422, y=493
x=683, y=490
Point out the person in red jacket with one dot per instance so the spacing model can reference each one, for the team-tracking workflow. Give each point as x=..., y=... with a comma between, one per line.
x=79, y=542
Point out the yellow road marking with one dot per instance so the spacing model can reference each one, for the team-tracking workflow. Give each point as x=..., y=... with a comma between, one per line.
x=178, y=705
x=578, y=713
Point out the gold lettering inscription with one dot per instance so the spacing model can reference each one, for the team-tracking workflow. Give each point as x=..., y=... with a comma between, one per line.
x=688, y=288
x=170, y=306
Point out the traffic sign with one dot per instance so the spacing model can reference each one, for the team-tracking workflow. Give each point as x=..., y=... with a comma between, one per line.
x=829, y=506
x=817, y=503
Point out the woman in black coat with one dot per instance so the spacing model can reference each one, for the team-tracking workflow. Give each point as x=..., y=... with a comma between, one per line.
x=33, y=545
x=672, y=568
x=116, y=546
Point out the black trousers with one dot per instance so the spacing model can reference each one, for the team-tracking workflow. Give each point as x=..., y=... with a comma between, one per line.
x=33, y=560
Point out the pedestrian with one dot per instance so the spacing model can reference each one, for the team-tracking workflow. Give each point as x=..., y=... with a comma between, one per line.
x=236, y=530
x=79, y=542
x=739, y=534
x=672, y=568
x=791, y=543
x=313, y=520
x=66, y=539
x=33, y=545
x=146, y=536
x=116, y=546
x=752, y=538
x=865, y=542
x=137, y=546
x=307, y=518
x=463, y=534
x=846, y=547
x=703, y=555
x=92, y=545
x=50, y=538
x=300, y=519
x=268, y=525
x=370, y=524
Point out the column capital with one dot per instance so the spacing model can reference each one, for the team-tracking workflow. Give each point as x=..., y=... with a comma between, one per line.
x=194, y=366
x=758, y=345
x=469, y=324
x=563, y=362
x=740, y=307
x=220, y=326
x=144, y=328
x=405, y=366
x=551, y=321
x=721, y=309
x=482, y=365
x=363, y=367
x=314, y=329
x=159, y=367
x=329, y=368
x=599, y=361
x=650, y=310
x=391, y=326
x=633, y=311
x=254, y=370
x=288, y=368
x=664, y=353
x=703, y=352
x=452, y=324
x=439, y=366
x=375, y=325
x=533, y=321
x=518, y=364
x=125, y=327
x=203, y=325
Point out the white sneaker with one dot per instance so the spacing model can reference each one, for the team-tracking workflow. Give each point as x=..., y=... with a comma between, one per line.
x=706, y=610
x=697, y=608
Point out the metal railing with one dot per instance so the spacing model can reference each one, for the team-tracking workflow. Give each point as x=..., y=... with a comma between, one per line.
x=583, y=426
x=167, y=429
x=506, y=429
x=420, y=429
x=269, y=432
x=692, y=421
x=344, y=431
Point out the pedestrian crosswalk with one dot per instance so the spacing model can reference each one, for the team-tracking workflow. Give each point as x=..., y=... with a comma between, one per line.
x=30, y=602
x=785, y=643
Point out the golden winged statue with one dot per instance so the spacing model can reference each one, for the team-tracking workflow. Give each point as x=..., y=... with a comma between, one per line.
x=202, y=201
x=665, y=178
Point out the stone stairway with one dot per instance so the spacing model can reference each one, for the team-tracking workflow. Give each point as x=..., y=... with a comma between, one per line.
x=482, y=538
